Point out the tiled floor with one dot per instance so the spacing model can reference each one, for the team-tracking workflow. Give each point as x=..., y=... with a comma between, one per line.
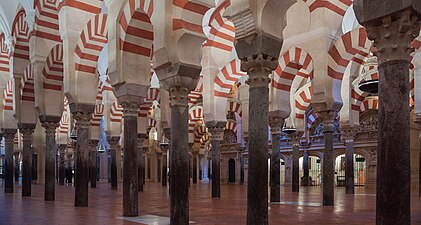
x=105, y=207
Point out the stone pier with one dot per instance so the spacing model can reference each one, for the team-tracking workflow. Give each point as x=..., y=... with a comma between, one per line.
x=92, y=162
x=113, y=141
x=216, y=129
x=140, y=161
x=26, y=130
x=276, y=124
x=9, y=135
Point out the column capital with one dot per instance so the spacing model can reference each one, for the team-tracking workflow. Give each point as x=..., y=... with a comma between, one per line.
x=9, y=134
x=348, y=134
x=113, y=141
x=50, y=123
x=393, y=35
x=179, y=96
x=93, y=143
x=26, y=129
x=216, y=129
x=140, y=140
x=259, y=67
x=167, y=133
x=276, y=123
x=62, y=148
x=130, y=104
x=296, y=138
x=328, y=118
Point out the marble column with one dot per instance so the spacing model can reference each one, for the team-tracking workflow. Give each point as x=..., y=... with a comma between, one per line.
x=195, y=168
x=216, y=130
x=258, y=68
x=83, y=117
x=392, y=28
x=179, y=156
x=348, y=138
x=130, y=106
x=140, y=161
x=62, y=164
x=276, y=124
x=164, y=166
x=16, y=165
x=113, y=141
x=306, y=168
x=9, y=135
x=92, y=162
x=26, y=130
x=328, y=118
x=50, y=125
x=295, y=161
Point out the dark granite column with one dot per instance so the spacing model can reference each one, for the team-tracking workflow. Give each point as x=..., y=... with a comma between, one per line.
x=140, y=161
x=216, y=130
x=179, y=156
x=82, y=114
x=9, y=135
x=92, y=162
x=258, y=68
x=50, y=125
x=305, y=168
x=276, y=124
x=417, y=120
x=34, y=165
x=164, y=168
x=130, y=106
x=392, y=27
x=348, y=138
x=113, y=141
x=195, y=167
x=26, y=130
x=62, y=164
x=296, y=161
x=16, y=165
x=328, y=119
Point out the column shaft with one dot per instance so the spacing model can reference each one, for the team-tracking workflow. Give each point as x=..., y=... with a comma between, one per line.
x=306, y=169
x=92, y=162
x=195, y=168
x=62, y=164
x=328, y=163
x=276, y=124
x=295, y=167
x=140, y=161
x=16, y=166
x=349, y=167
x=9, y=135
x=114, y=183
x=179, y=157
x=164, y=169
x=26, y=130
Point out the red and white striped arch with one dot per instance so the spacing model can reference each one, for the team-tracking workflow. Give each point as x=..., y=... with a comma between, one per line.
x=116, y=113
x=4, y=55
x=357, y=97
x=53, y=70
x=336, y=6
x=20, y=32
x=234, y=105
x=199, y=131
x=290, y=64
x=354, y=46
x=97, y=115
x=27, y=84
x=311, y=118
x=8, y=96
x=302, y=100
x=199, y=85
x=64, y=121
x=222, y=30
x=46, y=20
x=194, y=97
x=203, y=140
x=195, y=116
x=136, y=34
x=231, y=125
x=188, y=15
x=91, y=6
x=370, y=103
x=227, y=78
x=151, y=97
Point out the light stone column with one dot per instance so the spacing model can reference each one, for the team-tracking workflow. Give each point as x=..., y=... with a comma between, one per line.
x=258, y=68
x=113, y=141
x=296, y=137
x=130, y=106
x=328, y=118
x=82, y=114
x=348, y=138
x=276, y=124
x=92, y=162
x=140, y=161
x=9, y=135
x=26, y=130
x=392, y=27
x=50, y=125
x=216, y=129
x=62, y=164
x=16, y=165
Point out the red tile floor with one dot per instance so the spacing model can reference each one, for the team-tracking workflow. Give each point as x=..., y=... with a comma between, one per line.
x=105, y=206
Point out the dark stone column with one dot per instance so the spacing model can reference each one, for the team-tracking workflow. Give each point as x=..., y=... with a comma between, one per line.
x=276, y=124
x=295, y=161
x=140, y=161
x=348, y=138
x=258, y=68
x=34, y=165
x=82, y=114
x=113, y=141
x=328, y=118
x=26, y=130
x=305, y=168
x=9, y=135
x=195, y=168
x=216, y=129
x=50, y=124
x=164, y=166
x=62, y=164
x=179, y=156
x=417, y=119
x=167, y=134
x=92, y=162
x=392, y=28
x=130, y=106
x=16, y=165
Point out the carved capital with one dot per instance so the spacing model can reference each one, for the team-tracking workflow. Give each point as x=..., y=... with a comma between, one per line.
x=62, y=149
x=26, y=130
x=179, y=96
x=130, y=104
x=296, y=138
x=393, y=34
x=113, y=141
x=50, y=127
x=9, y=135
x=83, y=119
x=259, y=67
x=328, y=118
x=167, y=133
x=348, y=135
x=217, y=132
x=93, y=144
x=276, y=124
x=140, y=140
